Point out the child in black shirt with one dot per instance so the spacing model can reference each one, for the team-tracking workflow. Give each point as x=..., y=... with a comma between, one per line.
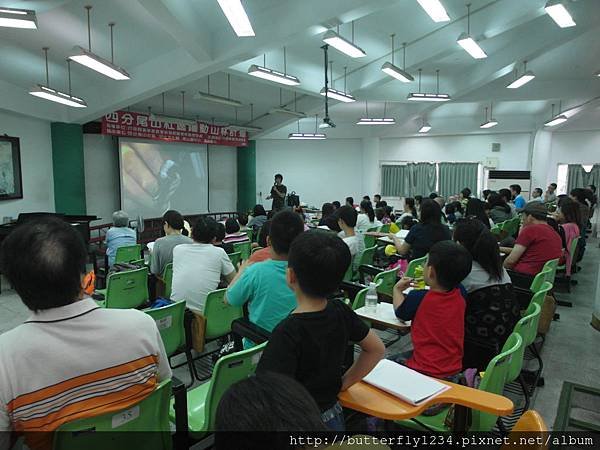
x=311, y=343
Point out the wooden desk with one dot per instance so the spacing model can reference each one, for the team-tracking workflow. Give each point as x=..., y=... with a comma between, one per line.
x=385, y=316
x=370, y=400
x=383, y=237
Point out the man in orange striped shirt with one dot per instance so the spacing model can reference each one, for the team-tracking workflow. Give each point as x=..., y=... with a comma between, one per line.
x=71, y=359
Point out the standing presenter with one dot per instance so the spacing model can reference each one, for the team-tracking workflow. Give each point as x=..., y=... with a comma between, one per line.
x=278, y=193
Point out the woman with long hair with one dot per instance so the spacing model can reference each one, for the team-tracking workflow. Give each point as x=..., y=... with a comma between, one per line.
x=476, y=208
x=409, y=209
x=569, y=220
x=366, y=218
x=499, y=210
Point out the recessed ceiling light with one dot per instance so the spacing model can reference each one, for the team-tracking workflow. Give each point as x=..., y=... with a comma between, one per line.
x=343, y=45
x=435, y=10
x=559, y=14
x=18, y=18
x=237, y=17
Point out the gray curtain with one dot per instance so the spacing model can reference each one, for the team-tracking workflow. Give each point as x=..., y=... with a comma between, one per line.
x=577, y=177
x=454, y=177
x=422, y=177
x=394, y=181
x=408, y=180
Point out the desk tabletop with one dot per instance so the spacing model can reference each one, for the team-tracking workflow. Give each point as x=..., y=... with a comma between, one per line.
x=368, y=399
x=385, y=316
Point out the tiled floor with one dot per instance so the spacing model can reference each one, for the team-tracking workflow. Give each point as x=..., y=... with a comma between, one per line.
x=570, y=352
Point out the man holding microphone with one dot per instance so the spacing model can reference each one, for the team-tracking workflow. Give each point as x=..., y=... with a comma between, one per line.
x=278, y=193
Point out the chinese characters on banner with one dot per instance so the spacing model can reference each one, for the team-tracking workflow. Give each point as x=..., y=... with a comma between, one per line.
x=132, y=124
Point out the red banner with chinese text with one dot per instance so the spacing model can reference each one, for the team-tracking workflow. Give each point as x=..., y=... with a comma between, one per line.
x=160, y=128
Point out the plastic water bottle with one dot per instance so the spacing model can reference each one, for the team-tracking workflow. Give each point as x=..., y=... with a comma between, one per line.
x=371, y=299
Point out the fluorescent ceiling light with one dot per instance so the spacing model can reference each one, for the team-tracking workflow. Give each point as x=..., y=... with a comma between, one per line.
x=571, y=112
x=101, y=65
x=343, y=45
x=489, y=124
x=374, y=121
x=18, y=18
x=556, y=121
x=47, y=93
x=522, y=80
x=273, y=75
x=435, y=10
x=397, y=72
x=338, y=95
x=598, y=73
x=423, y=97
x=307, y=136
x=238, y=19
x=559, y=14
x=287, y=111
x=217, y=99
x=425, y=128
x=471, y=46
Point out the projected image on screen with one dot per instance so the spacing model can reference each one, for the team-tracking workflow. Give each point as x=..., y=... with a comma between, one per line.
x=156, y=177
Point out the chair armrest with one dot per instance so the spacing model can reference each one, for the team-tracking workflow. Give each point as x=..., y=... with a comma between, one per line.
x=243, y=328
x=351, y=289
x=181, y=439
x=369, y=269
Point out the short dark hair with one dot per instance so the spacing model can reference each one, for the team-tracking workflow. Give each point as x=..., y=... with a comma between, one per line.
x=380, y=213
x=350, y=200
x=486, y=193
x=259, y=210
x=242, y=219
x=319, y=261
x=232, y=226
x=220, y=232
x=285, y=227
x=278, y=175
x=336, y=204
x=251, y=409
x=433, y=195
x=516, y=188
x=466, y=192
x=539, y=191
x=263, y=233
x=505, y=193
x=431, y=212
x=580, y=194
x=348, y=215
x=451, y=261
x=43, y=260
x=554, y=185
x=205, y=230
x=174, y=219
x=570, y=210
x=377, y=196
x=418, y=198
x=326, y=210
x=367, y=198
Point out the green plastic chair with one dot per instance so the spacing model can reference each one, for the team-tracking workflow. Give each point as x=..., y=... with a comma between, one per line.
x=202, y=401
x=493, y=381
x=572, y=252
x=410, y=270
x=553, y=266
x=143, y=425
x=219, y=315
x=385, y=228
x=540, y=294
x=496, y=229
x=245, y=248
x=167, y=277
x=370, y=241
x=235, y=259
x=526, y=327
x=386, y=281
x=539, y=279
x=365, y=257
x=125, y=290
x=250, y=234
x=128, y=253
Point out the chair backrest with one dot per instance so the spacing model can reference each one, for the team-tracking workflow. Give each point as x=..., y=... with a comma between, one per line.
x=250, y=234
x=496, y=229
x=539, y=279
x=229, y=370
x=410, y=270
x=255, y=249
x=531, y=424
x=143, y=425
x=527, y=326
x=128, y=253
x=169, y=321
x=541, y=293
x=386, y=281
x=366, y=256
x=127, y=289
x=494, y=380
x=235, y=258
x=573, y=249
x=385, y=228
x=167, y=277
x=245, y=248
x=219, y=315
x=370, y=241
x=550, y=270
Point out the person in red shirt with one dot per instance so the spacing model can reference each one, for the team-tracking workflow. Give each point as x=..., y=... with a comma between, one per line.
x=437, y=314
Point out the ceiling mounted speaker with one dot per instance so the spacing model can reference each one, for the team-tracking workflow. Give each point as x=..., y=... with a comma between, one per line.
x=495, y=146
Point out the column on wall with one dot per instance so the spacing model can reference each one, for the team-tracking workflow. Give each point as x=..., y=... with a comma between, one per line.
x=246, y=177
x=541, y=172
x=370, y=163
x=68, y=168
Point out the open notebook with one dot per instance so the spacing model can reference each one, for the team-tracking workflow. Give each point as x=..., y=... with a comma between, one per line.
x=407, y=384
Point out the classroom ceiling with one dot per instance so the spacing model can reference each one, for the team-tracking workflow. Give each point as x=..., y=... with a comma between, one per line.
x=170, y=46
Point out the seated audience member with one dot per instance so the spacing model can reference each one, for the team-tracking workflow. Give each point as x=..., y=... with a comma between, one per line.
x=310, y=345
x=409, y=209
x=233, y=235
x=263, y=285
x=440, y=201
x=327, y=214
x=298, y=210
x=263, y=241
x=485, y=194
x=476, y=209
x=499, y=210
x=550, y=194
x=418, y=201
x=346, y=217
x=336, y=205
x=367, y=198
x=408, y=222
x=69, y=346
x=350, y=202
x=506, y=194
x=119, y=235
x=259, y=217
x=380, y=215
x=536, y=244
x=438, y=314
x=199, y=267
x=453, y=211
x=219, y=237
x=518, y=199
x=389, y=214
x=377, y=200
x=424, y=234
x=366, y=218
x=243, y=221
x=569, y=218
x=464, y=197
x=536, y=195
x=581, y=196
x=259, y=412
x=433, y=196
x=162, y=252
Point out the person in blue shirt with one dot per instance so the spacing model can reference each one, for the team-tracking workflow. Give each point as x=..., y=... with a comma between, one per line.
x=119, y=235
x=518, y=200
x=263, y=285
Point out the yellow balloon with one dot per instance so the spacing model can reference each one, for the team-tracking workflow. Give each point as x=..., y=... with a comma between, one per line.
x=390, y=250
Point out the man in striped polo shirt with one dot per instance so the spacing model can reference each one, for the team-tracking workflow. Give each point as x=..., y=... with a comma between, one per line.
x=71, y=359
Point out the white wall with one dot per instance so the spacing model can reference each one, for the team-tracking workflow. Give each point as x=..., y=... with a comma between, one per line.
x=101, y=162
x=576, y=147
x=222, y=187
x=36, y=164
x=318, y=171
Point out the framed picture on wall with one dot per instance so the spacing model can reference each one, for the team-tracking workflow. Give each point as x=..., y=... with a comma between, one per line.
x=11, y=186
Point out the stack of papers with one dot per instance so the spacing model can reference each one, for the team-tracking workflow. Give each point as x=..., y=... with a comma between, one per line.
x=404, y=383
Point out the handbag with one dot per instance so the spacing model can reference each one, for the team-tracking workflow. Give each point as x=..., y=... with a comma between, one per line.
x=293, y=199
